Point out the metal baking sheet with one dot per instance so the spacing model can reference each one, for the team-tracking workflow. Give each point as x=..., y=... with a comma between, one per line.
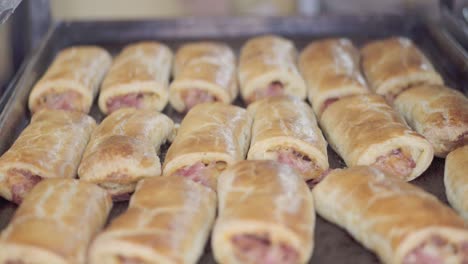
x=332, y=244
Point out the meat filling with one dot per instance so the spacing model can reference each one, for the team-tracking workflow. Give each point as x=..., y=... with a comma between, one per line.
x=396, y=163
x=129, y=260
x=69, y=100
x=437, y=250
x=298, y=161
x=327, y=103
x=275, y=88
x=134, y=100
x=21, y=183
x=259, y=249
x=194, y=96
x=313, y=182
x=203, y=173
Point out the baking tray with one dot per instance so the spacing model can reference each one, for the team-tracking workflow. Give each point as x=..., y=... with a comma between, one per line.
x=332, y=244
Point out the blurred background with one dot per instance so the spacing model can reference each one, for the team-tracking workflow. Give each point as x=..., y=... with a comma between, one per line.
x=21, y=32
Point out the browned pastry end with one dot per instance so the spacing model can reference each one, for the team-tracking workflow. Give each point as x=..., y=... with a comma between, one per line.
x=285, y=129
x=439, y=113
x=266, y=215
x=56, y=223
x=268, y=67
x=72, y=80
x=51, y=146
x=211, y=137
x=398, y=221
x=167, y=222
x=138, y=78
x=124, y=149
x=331, y=70
x=203, y=72
x=394, y=64
x=365, y=130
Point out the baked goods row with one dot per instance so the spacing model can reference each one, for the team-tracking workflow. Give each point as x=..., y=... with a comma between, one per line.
x=206, y=71
x=265, y=212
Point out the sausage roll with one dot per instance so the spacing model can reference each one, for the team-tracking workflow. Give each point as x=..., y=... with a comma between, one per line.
x=50, y=147
x=211, y=137
x=331, y=71
x=123, y=150
x=266, y=215
x=72, y=81
x=138, y=78
x=395, y=64
x=267, y=67
x=168, y=221
x=364, y=130
x=55, y=223
x=203, y=72
x=284, y=129
x=456, y=182
x=398, y=221
x=439, y=113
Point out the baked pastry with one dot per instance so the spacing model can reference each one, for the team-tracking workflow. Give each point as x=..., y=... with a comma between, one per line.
x=398, y=221
x=364, y=130
x=285, y=129
x=211, y=137
x=55, y=223
x=439, y=113
x=51, y=146
x=395, y=64
x=138, y=78
x=331, y=70
x=72, y=80
x=267, y=67
x=124, y=149
x=455, y=180
x=266, y=215
x=168, y=221
x=203, y=72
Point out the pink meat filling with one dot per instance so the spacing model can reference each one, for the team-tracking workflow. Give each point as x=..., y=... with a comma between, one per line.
x=21, y=182
x=396, y=163
x=127, y=100
x=200, y=172
x=327, y=103
x=300, y=162
x=194, y=96
x=436, y=251
x=257, y=249
x=64, y=101
x=275, y=88
x=313, y=182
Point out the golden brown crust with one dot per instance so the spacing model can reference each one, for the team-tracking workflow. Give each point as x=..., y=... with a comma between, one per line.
x=50, y=147
x=363, y=128
x=387, y=215
x=210, y=132
x=394, y=64
x=287, y=122
x=331, y=70
x=55, y=223
x=437, y=112
x=267, y=59
x=263, y=197
x=170, y=225
x=456, y=182
x=142, y=67
x=78, y=69
x=123, y=149
x=207, y=66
